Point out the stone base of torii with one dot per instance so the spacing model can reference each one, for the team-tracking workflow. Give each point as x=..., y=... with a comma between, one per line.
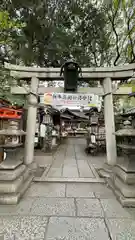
x=104, y=75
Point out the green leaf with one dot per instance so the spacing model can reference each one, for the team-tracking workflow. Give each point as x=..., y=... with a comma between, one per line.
x=132, y=30
x=124, y=4
x=129, y=51
x=116, y=4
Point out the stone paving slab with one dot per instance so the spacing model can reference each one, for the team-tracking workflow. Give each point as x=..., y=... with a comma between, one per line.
x=70, y=165
x=79, y=190
x=59, y=156
x=70, y=172
x=57, y=164
x=84, y=169
x=23, y=228
x=102, y=191
x=89, y=208
x=105, y=194
x=53, y=207
x=81, y=157
x=97, y=161
x=121, y=229
x=76, y=228
x=113, y=209
x=70, y=162
x=46, y=190
x=22, y=208
x=43, y=160
x=54, y=172
x=131, y=211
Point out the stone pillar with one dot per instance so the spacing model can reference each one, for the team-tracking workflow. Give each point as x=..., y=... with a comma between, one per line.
x=31, y=122
x=109, y=122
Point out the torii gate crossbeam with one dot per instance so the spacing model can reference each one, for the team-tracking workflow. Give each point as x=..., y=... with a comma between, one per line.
x=47, y=74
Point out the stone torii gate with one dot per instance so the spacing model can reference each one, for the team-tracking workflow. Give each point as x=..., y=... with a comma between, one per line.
x=102, y=74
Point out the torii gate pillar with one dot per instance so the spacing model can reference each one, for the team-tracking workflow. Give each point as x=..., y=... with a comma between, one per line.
x=109, y=122
x=31, y=121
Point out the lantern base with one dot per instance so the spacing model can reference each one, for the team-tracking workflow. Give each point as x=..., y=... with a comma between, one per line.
x=15, y=178
x=126, y=177
x=127, y=190
x=123, y=182
x=13, y=198
x=125, y=202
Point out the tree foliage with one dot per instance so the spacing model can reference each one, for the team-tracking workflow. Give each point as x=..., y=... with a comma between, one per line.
x=121, y=29
x=93, y=32
x=58, y=30
x=8, y=26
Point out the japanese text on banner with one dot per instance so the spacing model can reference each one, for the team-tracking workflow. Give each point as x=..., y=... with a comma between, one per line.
x=70, y=99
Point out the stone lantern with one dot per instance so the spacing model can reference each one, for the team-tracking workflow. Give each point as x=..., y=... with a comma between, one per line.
x=15, y=176
x=54, y=137
x=12, y=139
x=12, y=134
x=124, y=171
x=47, y=125
x=93, y=117
x=70, y=71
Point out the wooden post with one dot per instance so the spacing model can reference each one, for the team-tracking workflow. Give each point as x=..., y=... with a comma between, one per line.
x=109, y=122
x=31, y=122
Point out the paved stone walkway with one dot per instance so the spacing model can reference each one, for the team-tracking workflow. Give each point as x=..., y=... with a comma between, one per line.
x=67, y=211
x=70, y=163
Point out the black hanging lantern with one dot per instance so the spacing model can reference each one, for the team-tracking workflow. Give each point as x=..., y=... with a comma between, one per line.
x=70, y=71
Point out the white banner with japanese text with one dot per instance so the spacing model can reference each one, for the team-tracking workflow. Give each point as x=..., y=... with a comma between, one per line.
x=70, y=99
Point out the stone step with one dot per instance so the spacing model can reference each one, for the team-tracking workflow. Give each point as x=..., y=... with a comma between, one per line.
x=127, y=190
x=10, y=175
x=13, y=198
x=70, y=180
x=13, y=186
x=126, y=177
x=125, y=202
